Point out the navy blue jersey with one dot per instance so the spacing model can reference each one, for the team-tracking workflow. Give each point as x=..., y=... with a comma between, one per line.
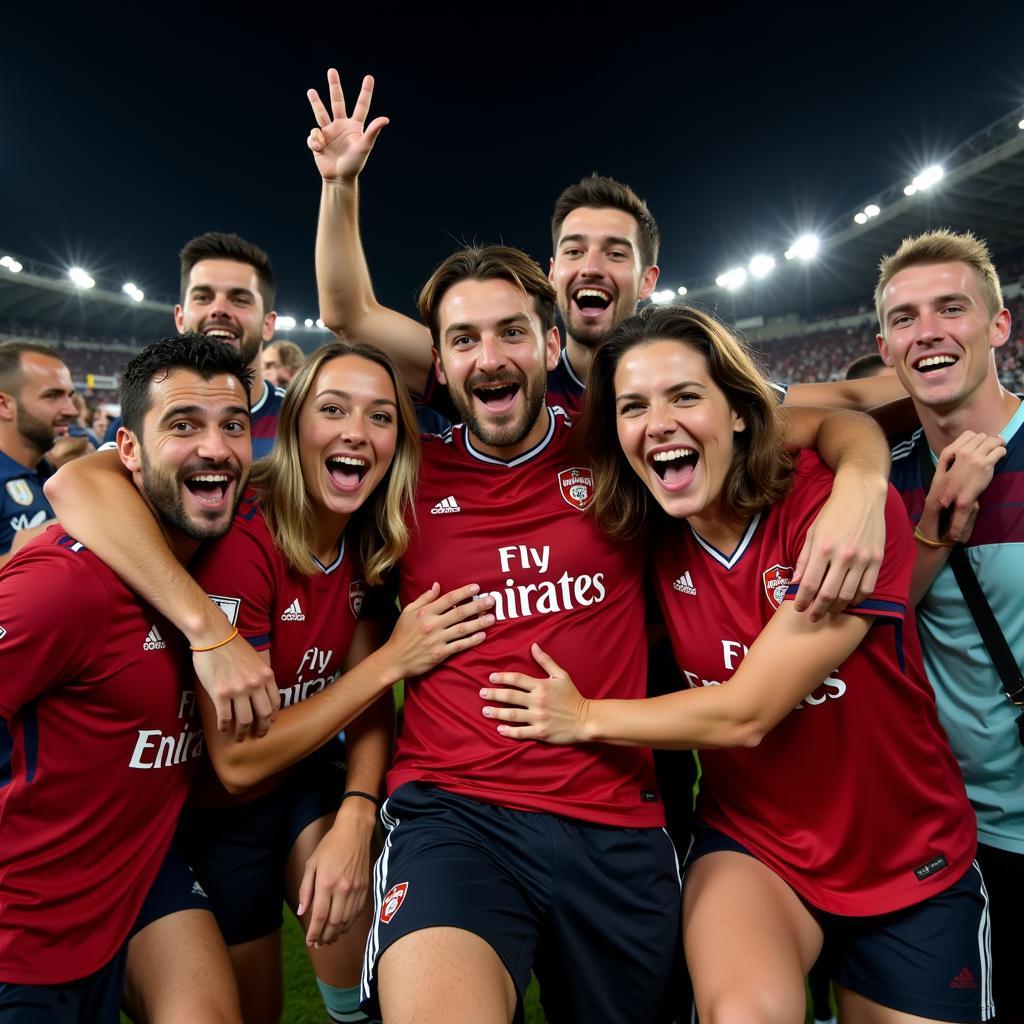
x=22, y=502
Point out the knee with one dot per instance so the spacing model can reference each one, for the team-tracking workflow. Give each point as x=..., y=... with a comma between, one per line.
x=749, y=1006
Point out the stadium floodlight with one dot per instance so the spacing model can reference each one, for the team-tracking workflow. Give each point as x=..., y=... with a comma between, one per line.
x=660, y=298
x=11, y=264
x=79, y=278
x=732, y=280
x=133, y=292
x=804, y=248
x=761, y=265
x=928, y=177
x=681, y=290
x=872, y=210
x=860, y=218
x=1020, y=124
x=287, y=322
x=321, y=324
x=308, y=322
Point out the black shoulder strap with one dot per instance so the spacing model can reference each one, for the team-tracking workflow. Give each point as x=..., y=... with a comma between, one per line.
x=981, y=611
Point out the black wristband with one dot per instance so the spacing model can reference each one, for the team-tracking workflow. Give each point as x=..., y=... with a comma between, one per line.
x=365, y=796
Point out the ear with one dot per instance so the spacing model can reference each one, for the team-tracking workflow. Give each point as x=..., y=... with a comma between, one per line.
x=179, y=318
x=648, y=279
x=883, y=349
x=8, y=407
x=552, y=349
x=999, y=331
x=129, y=448
x=739, y=424
x=438, y=367
x=269, y=322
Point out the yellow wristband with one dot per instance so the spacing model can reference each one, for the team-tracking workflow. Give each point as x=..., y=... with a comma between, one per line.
x=928, y=542
x=231, y=636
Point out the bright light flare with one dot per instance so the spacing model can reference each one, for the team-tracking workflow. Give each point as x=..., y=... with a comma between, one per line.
x=732, y=280
x=761, y=265
x=804, y=248
x=308, y=322
x=287, y=322
x=872, y=210
x=79, y=278
x=321, y=324
x=660, y=298
x=860, y=218
x=133, y=292
x=11, y=264
x=928, y=177
x=681, y=290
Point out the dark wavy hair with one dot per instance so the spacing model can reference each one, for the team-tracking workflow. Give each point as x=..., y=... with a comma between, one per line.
x=761, y=466
x=190, y=351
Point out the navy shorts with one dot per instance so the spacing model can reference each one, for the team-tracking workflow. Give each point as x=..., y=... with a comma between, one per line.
x=239, y=852
x=931, y=959
x=593, y=909
x=96, y=998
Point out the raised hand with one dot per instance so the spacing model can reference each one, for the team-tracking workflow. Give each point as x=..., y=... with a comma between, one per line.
x=340, y=144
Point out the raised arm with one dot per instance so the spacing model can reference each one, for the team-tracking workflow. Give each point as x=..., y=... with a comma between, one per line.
x=858, y=395
x=839, y=562
x=341, y=145
x=96, y=502
x=737, y=714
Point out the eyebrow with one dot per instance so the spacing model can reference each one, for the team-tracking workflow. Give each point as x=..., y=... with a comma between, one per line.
x=348, y=397
x=199, y=410
x=231, y=291
x=905, y=307
x=607, y=239
x=508, y=321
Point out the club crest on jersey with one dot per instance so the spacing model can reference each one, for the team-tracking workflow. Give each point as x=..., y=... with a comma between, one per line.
x=228, y=605
x=392, y=901
x=576, y=486
x=776, y=582
x=20, y=492
x=356, y=597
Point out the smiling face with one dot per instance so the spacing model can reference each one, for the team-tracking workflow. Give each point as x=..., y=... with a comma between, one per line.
x=347, y=432
x=222, y=299
x=598, y=272
x=192, y=458
x=494, y=357
x=43, y=409
x=676, y=429
x=939, y=335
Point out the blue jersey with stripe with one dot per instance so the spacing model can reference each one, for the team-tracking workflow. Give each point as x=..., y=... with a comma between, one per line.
x=976, y=714
x=22, y=502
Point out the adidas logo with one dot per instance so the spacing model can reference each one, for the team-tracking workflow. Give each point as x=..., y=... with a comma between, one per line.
x=444, y=506
x=154, y=641
x=685, y=585
x=963, y=980
x=293, y=613
x=198, y=890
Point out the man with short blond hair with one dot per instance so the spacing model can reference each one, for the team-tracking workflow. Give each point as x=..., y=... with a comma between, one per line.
x=941, y=318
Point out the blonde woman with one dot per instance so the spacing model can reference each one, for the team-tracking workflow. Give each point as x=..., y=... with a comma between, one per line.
x=283, y=816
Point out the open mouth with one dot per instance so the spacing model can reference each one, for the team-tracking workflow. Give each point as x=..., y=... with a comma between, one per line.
x=225, y=334
x=209, y=489
x=592, y=301
x=675, y=466
x=496, y=396
x=347, y=471
x=931, y=364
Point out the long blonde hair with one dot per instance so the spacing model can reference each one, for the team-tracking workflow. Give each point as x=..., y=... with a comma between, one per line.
x=378, y=531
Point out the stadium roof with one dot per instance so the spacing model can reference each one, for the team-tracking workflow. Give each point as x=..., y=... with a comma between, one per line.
x=981, y=189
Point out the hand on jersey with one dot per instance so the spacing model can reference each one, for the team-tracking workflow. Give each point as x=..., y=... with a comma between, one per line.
x=336, y=882
x=842, y=553
x=341, y=144
x=964, y=470
x=241, y=685
x=549, y=708
x=433, y=628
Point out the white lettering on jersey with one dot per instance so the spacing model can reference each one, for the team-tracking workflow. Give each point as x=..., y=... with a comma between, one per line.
x=23, y=522
x=315, y=660
x=155, y=749
x=545, y=597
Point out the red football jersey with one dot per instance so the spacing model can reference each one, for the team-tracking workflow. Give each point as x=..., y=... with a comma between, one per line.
x=520, y=529
x=306, y=622
x=854, y=798
x=98, y=740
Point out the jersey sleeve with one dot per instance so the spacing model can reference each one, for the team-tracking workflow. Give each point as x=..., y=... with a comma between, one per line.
x=238, y=575
x=53, y=608
x=812, y=486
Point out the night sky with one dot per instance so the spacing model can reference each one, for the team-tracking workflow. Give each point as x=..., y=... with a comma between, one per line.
x=122, y=136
